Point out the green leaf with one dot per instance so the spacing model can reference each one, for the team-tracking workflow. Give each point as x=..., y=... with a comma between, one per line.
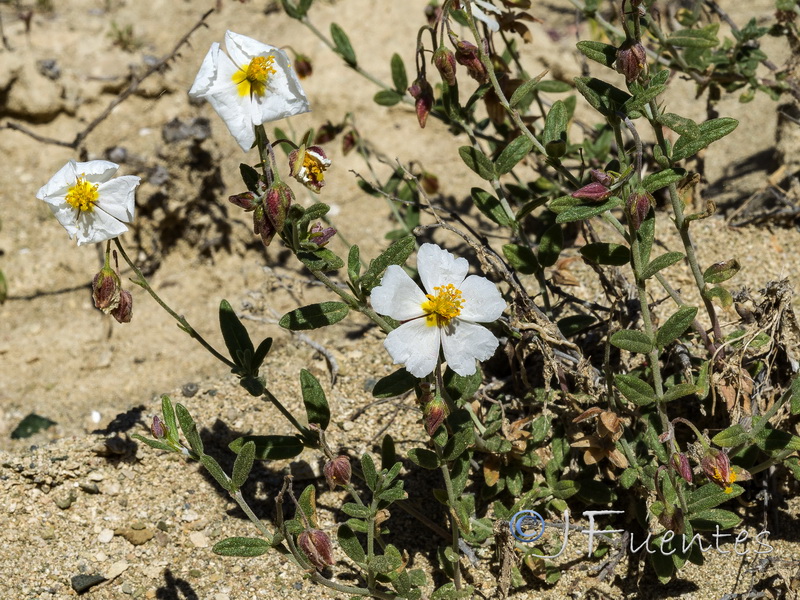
x=676, y=325
x=387, y=562
x=550, y=245
x=321, y=260
x=189, y=428
x=478, y=162
x=555, y=123
x=635, y=390
x=632, y=341
x=710, y=131
x=491, y=207
x=526, y=88
x=628, y=478
x=212, y=466
x=462, y=387
x=551, y=86
x=721, y=294
x=605, y=54
x=270, y=447
x=396, y=384
x=565, y=488
x=153, y=443
x=261, y=353
x=583, y=212
x=449, y=592
x=317, y=409
x=350, y=544
x=388, y=454
x=308, y=505
x=661, y=179
x=721, y=271
x=314, y=316
x=387, y=98
x=646, y=235
x=396, y=254
x=514, y=152
x=237, y=340
x=463, y=436
x=604, y=253
x=521, y=258
x=709, y=520
x=705, y=37
x=709, y=496
x=680, y=125
x=661, y=262
x=679, y=391
x=639, y=100
x=243, y=464
x=602, y=96
x=369, y=471
x=423, y=458
x=353, y=264
x=250, y=177
x=241, y=546
x=794, y=403
x=574, y=324
x=342, y=44
x=399, y=77
x=770, y=440
x=359, y=511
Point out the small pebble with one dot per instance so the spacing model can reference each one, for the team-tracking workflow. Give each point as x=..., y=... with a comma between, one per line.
x=89, y=488
x=106, y=535
x=137, y=537
x=81, y=583
x=190, y=389
x=199, y=539
x=117, y=569
x=127, y=588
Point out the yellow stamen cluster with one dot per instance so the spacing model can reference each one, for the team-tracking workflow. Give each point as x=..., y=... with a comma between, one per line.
x=314, y=169
x=83, y=195
x=726, y=482
x=252, y=78
x=446, y=304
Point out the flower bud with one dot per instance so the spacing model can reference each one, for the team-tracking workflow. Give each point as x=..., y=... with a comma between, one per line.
x=601, y=177
x=316, y=545
x=302, y=66
x=631, y=59
x=320, y=235
x=717, y=467
x=106, y=289
x=246, y=200
x=337, y=471
x=672, y=518
x=430, y=183
x=596, y=192
x=445, y=62
x=348, y=142
x=262, y=225
x=159, y=429
x=308, y=166
x=467, y=55
x=434, y=413
x=124, y=312
x=422, y=92
x=276, y=204
x=681, y=463
x=638, y=205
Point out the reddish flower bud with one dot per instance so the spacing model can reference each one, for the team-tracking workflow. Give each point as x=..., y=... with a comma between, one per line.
x=262, y=225
x=601, y=177
x=276, y=204
x=316, y=545
x=308, y=166
x=638, y=205
x=337, y=471
x=422, y=92
x=106, y=289
x=348, y=142
x=246, y=200
x=445, y=62
x=124, y=312
x=717, y=467
x=681, y=463
x=159, y=429
x=467, y=55
x=672, y=518
x=596, y=192
x=302, y=66
x=320, y=235
x=631, y=59
x=430, y=182
x=434, y=413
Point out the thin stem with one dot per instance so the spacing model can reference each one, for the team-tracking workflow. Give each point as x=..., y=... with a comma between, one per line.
x=304, y=431
x=352, y=302
x=182, y=322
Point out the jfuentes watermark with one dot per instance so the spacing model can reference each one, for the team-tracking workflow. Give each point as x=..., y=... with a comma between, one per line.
x=529, y=526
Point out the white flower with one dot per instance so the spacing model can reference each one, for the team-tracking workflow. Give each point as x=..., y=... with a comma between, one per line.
x=88, y=202
x=445, y=317
x=476, y=6
x=249, y=86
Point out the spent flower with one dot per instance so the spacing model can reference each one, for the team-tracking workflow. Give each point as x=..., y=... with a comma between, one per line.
x=250, y=85
x=445, y=315
x=91, y=204
x=308, y=166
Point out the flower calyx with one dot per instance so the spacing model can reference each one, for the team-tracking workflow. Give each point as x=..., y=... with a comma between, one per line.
x=317, y=547
x=337, y=471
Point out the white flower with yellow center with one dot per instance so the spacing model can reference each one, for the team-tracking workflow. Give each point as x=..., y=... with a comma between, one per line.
x=90, y=204
x=249, y=86
x=445, y=315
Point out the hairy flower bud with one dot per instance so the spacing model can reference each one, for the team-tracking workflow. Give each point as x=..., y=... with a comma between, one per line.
x=246, y=200
x=596, y=192
x=717, y=467
x=631, y=59
x=276, y=204
x=106, y=289
x=316, y=545
x=348, y=142
x=672, y=518
x=638, y=205
x=681, y=463
x=467, y=55
x=422, y=92
x=337, y=471
x=124, y=312
x=308, y=166
x=159, y=429
x=434, y=413
x=262, y=225
x=601, y=177
x=302, y=66
x=445, y=62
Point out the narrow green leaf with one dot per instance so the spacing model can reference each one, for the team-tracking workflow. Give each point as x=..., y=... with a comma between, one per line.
x=387, y=98
x=632, y=341
x=514, y=152
x=461, y=388
x=358, y=511
x=521, y=258
x=661, y=262
x=321, y=260
x=635, y=390
x=676, y=325
x=661, y=179
x=550, y=245
x=583, y=212
x=342, y=45
x=605, y=54
x=168, y=412
x=552, y=86
x=237, y=340
x=604, y=253
x=732, y=436
x=350, y=544
x=478, y=162
x=250, y=177
x=423, y=458
x=388, y=454
x=314, y=316
x=491, y=207
x=270, y=447
x=243, y=464
x=602, y=96
x=396, y=254
x=308, y=504
x=715, y=519
x=680, y=125
x=399, y=77
x=153, y=443
x=679, y=391
x=710, y=131
x=386, y=562
x=212, y=466
x=317, y=409
x=646, y=235
x=241, y=546
x=705, y=37
x=771, y=440
x=639, y=100
x=369, y=471
x=574, y=324
x=396, y=384
x=555, y=123
x=353, y=264
x=721, y=294
x=721, y=271
x=189, y=428
x=526, y=88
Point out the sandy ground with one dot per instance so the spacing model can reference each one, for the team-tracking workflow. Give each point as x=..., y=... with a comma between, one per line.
x=62, y=359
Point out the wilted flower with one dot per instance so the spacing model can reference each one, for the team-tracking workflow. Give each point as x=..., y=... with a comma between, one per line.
x=681, y=463
x=269, y=217
x=467, y=55
x=337, y=471
x=249, y=86
x=88, y=203
x=445, y=315
x=602, y=444
x=631, y=59
x=638, y=205
x=445, y=62
x=316, y=545
x=717, y=467
x=106, y=289
x=308, y=166
x=434, y=413
x=124, y=311
x=319, y=235
x=159, y=429
x=422, y=92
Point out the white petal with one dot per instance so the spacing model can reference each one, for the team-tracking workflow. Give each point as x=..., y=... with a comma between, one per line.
x=97, y=226
x=481, y=16
x=285, y=96
x=96, y=171
x=66, y=215
x=116, y=197
x=207, y=74
x=53, y=191
x=464, y=343
x=243, y=49
x=414, y=345
x=482, y=300
x=398, y=296
x=438, y=267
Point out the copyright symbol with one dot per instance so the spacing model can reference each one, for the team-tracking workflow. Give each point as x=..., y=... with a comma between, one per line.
x=532, y=522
